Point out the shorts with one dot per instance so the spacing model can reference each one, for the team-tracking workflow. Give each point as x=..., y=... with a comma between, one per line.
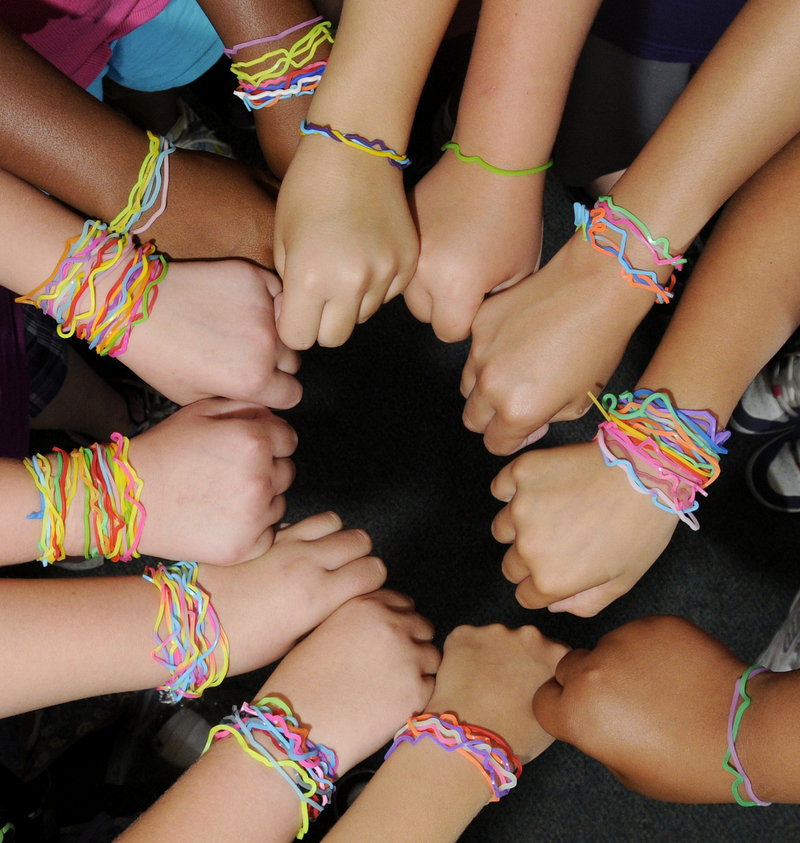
x=615, y=104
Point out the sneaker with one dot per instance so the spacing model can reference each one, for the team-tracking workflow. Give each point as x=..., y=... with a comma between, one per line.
x=189, y=132
x=783, y=652
x=772, y=401
x=773, y=472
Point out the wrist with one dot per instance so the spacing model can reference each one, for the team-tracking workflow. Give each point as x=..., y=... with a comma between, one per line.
x=765, y=742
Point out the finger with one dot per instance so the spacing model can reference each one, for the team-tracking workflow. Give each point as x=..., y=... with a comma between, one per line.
x=282, y=436
x=503, y=528
x=394, y=600
x=421, y=629
x=503, y=437
x=282, y=392
x=314, y=527
x=286, y=359
x=357, y=576
x=469, y=377
x=430, y=659
x=338, y=548
x=275, y=511
x=262, y=544
x=274, y=285
x=514, y=568
x=226, y=408
x=547, y=707
x=399, y=284
x=478, y=412
x=337, y=322
x=370, y=305
x=504, y=485
x=282, y=475
x=418, y=301
x=571, y=666
x=588, y=603
x=279, y=256
x=537, y=434
x=452, y=320
x=299, y=320
x=528, y=595
x=277, y=305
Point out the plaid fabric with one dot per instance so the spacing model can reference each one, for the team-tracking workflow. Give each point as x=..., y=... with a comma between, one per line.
x=47, y=359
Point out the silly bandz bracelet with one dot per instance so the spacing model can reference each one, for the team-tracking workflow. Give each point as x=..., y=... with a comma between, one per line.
x=476, y=159
x=483, y=748
x=731, y=763
x=113, y=516
x=190, y=641
x=309, y=768
x=373, y=147
x=152, y=182
x=668, y=453
x=282, y=61
x=70, y=294
x=230, y=52
x=604, y=218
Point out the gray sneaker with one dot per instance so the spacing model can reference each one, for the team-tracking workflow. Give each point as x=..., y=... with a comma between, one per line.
x=772, y=401
x=783, y=652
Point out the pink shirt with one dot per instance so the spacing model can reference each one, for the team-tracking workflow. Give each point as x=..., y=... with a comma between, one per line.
x=74, y=34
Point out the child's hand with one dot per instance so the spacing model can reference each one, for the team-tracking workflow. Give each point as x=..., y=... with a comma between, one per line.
x=478, y=232
x=212, y=333
x=360, y=674
x=580, y=536
x=266, y=604
x=216, y=208
x=488, y=677
x=539, y=348
x=214, y=475
x=651, y=702
x=344, y=241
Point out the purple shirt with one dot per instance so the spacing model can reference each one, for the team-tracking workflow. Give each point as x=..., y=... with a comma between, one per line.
x=13, y=379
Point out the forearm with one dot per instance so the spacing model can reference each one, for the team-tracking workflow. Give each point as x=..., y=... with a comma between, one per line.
x=247, y=20
x=420, y=792
x=34, y=229
x=739, y=109
x=76, y=639
x=226, y=795
x=66, y=143
x=378, y=65
x=743, y=300
x=518, y=78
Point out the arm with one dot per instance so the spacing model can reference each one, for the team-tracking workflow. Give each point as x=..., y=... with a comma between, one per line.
x=652, y=702
x=479, y=230
x=352, y=681
x=263, y=606
x=744, y=285
x=213, y=480
x=342, y=255
x=488, y=676
x=247, y=20
x=59, y=138
x=740, y=109
x=214, y=321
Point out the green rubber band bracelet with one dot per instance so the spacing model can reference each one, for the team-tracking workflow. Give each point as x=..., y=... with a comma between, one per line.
x=469, y=159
